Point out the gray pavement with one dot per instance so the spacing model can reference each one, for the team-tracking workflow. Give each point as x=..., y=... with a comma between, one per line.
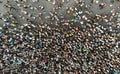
x=48, y=7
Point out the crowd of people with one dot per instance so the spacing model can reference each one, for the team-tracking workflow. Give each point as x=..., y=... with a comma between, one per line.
x=85, y=44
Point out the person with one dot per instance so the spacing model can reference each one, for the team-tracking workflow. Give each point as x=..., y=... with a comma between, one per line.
x=112, y=1
x=102, y=5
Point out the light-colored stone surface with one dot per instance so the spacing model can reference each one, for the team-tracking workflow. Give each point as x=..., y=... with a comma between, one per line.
x=49, y=6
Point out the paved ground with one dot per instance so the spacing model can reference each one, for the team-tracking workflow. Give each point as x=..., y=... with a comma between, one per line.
x=49, y=7
x=2, y=9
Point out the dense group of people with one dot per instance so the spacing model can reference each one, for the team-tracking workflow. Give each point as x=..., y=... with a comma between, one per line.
x=84, y=44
